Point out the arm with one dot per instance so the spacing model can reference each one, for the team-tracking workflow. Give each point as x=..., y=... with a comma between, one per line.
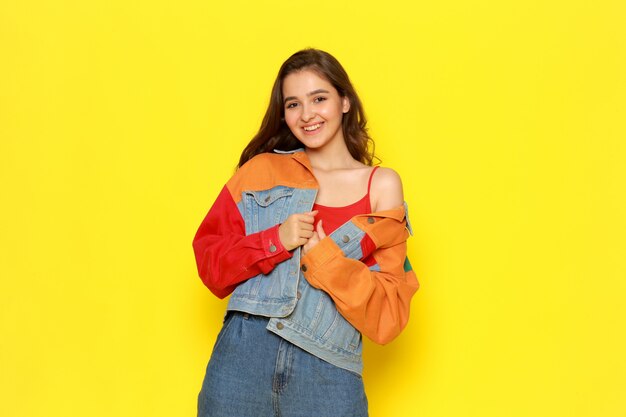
x=375, y=301
x=225, y=256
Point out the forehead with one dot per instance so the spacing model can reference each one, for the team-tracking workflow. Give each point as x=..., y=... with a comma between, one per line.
x=302, y=82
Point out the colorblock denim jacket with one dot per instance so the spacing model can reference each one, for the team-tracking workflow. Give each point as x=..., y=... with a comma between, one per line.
x=321, y=301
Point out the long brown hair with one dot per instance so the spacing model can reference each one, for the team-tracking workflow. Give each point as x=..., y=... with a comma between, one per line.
x=274, y=132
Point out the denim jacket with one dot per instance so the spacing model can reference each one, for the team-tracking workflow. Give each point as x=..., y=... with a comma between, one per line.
x=322, y=301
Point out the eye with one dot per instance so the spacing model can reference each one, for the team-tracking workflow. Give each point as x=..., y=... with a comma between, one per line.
x=291, y=105
x=319, y=99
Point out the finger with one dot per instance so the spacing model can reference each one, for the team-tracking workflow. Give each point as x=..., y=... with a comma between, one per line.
x=309, y=215
x=320, y=230
x=311, y=243
x=307, y=234
x=306, y=226
x=305, y=218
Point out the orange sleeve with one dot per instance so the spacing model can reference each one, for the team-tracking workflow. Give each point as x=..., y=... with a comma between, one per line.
x=376, y=302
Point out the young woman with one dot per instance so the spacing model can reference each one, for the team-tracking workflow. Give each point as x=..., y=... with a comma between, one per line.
x=310, y=242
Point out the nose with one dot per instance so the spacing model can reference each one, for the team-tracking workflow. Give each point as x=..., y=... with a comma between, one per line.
x=307, y=113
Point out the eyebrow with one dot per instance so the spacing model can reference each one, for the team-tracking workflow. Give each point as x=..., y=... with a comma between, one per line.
x=318, y=91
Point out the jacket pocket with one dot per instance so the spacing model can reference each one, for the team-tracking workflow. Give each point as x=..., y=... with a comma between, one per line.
x=266, y=208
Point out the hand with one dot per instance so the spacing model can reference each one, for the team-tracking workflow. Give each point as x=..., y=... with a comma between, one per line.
x=297, y=229
x=315, y=239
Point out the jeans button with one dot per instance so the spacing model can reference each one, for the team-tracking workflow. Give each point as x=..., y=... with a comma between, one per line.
x=303, y=267
x=345, y=239
x=280, y=326
x=272, y=248
x=370, y=220
x=298, y=295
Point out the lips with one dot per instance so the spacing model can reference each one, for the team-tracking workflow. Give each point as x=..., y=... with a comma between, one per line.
x=312, y=128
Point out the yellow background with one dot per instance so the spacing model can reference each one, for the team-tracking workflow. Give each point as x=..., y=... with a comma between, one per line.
x=120, y=121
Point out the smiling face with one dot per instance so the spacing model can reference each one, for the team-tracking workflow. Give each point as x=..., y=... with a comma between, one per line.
x=313, y=109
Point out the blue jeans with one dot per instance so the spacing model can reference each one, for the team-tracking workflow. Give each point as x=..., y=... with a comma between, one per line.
x=255, y=373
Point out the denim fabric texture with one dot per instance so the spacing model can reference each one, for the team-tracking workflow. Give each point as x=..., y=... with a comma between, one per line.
x=255, y=373
x=285, y=349
x=300, y=313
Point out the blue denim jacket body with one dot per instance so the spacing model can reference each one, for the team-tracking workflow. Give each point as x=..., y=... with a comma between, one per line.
x=298, y=312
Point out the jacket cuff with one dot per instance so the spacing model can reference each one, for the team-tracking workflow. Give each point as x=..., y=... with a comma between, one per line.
x=321, y=254
x=274, y=250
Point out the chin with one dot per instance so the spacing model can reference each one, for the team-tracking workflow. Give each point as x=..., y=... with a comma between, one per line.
x=312, y=143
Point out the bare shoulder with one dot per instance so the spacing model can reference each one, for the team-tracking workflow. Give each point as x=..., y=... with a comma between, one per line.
x=386, y=190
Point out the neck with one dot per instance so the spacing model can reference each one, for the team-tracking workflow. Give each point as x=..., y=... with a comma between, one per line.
x=328, y=158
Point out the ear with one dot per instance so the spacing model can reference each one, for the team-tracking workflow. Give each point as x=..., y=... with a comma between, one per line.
x=345, y=102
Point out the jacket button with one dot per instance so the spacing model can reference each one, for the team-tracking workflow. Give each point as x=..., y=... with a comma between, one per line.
x=272, y=248
x=345, y=239
x=298, y=295
x=303, y=267
x=280, y=326
x=268, y=198
x=370, y=220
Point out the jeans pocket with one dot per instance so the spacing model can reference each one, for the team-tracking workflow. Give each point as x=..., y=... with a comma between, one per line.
x=228, y=319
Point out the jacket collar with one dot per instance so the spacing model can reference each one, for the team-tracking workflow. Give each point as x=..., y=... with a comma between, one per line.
x=298, y=155
x=287, y=152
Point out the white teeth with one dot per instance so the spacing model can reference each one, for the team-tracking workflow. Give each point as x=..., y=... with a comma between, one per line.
x=310, y=128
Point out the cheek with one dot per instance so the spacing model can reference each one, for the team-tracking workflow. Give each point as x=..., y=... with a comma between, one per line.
x=291, y=119
x=331, y=112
